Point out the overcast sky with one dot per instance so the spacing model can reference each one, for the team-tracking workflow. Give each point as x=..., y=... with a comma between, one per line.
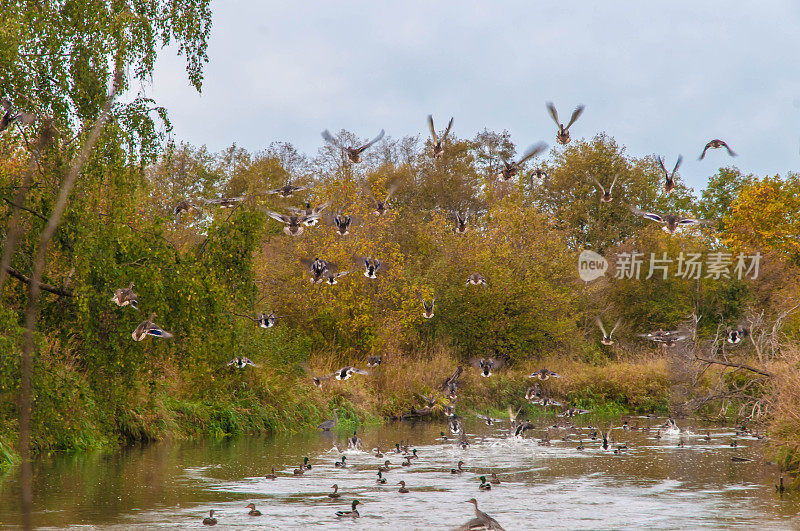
x=660, y=77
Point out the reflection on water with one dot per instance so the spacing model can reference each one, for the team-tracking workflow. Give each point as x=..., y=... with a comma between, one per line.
x=655, y=483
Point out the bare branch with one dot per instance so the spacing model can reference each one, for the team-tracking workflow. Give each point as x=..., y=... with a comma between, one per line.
x=762, y=372
x=45, y=287
x=25, y=209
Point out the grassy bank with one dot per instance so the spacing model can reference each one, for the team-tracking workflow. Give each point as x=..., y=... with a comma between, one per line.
x=72, y=416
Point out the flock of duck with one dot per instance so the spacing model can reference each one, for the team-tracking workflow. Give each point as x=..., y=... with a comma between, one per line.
x=320, y=271
x=486, y=480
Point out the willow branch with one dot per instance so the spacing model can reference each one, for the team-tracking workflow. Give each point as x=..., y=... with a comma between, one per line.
x=32, y=309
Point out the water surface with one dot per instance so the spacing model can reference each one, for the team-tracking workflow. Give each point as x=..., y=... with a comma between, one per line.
x=654, y=484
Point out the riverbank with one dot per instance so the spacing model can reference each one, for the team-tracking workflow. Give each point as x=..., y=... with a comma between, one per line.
x=72, y=417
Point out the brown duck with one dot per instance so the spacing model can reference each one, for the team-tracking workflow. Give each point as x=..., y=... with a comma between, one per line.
x=562, y=137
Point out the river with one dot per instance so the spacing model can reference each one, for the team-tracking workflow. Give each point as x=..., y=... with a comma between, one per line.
x=654, y=484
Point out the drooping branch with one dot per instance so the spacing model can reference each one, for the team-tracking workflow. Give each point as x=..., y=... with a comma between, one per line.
x=45, y=287
x=32, y=309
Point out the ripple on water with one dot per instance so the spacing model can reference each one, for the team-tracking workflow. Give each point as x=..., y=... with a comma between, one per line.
x=653, y=485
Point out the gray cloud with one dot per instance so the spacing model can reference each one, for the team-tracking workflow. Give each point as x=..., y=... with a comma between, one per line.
x=660, y=78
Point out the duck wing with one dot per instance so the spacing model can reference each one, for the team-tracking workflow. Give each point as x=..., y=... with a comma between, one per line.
x=368, y=144
x=553, y=113
x=328, y=137
x=532, y=152
x=447, y=131
x=654, y=216
x=575, y=115
x=602, y=328
x=433, y=129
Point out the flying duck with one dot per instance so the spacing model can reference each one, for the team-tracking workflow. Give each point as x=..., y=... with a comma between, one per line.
x=184, y=206
x=318, y=268
x=352, y=513
x=606, y=194
x=342, y=223
x=715, y=144
x=485, y=365
x=354, y=442
x=671, y=222
x=476, y=279
x=240, y=362
x=455, y=424
x=667, y=338
x=669, y=178
x=346, y=372
x=331, y=278
x=379, y=207
x=437, y=144
x=735, y=335
x=452, y=381
x=266, y=320
x=353, y=153
x=287, y=190
x=543, y=374
x=427, y=309
x=488, y=419
x=607, y=340
x=572, y=412
x=9, y=116
x=224, y=202
x=371, y=266
x=539, y=174
x=510, y=169
x=125, y=297
x=562, y=137
x=294, y=223
x=149, y=328
x=461, y=222
x=312, y=213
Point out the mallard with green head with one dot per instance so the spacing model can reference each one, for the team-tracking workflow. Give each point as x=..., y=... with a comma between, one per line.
x=352, y=513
